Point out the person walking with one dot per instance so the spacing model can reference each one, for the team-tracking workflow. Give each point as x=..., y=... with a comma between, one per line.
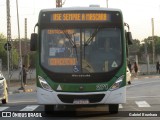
x=129, y=66
x=157, y=67
x=24, y=70
x=135, y=67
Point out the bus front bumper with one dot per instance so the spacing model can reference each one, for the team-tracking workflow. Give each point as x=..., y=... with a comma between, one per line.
x=67, y=98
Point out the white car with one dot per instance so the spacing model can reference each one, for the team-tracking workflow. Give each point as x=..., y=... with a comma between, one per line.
x=3, y=89
x=128, y=76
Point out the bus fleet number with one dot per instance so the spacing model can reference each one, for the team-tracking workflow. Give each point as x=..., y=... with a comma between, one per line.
x=102, y=87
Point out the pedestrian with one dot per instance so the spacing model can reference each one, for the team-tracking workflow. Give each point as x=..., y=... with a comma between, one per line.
x=24, y=70
x=157, y=67
x=135, y=67
x=129, y=66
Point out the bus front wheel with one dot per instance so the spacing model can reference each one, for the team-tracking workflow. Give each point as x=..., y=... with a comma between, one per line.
x=49, y=108
x=113, y=108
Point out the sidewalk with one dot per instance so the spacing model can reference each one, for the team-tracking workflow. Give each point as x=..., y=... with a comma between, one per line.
x=146, y=76
x=15, y=82
x=14, y=86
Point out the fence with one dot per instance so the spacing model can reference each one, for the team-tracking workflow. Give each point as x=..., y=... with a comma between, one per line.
x=144, y=69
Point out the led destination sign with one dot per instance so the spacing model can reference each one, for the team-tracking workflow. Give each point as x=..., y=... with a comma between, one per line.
x=62, y=61
x=67, y=17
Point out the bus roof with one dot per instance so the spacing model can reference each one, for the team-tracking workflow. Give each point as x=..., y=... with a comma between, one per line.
x=80, y=8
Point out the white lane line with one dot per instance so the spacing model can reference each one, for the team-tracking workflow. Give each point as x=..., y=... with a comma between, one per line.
x=143, y=97
x=3, y=108
x=120, y=106
x=29, y=108
x=142, y=104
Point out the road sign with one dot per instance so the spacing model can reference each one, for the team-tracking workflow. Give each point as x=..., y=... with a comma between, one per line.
x=7, y=45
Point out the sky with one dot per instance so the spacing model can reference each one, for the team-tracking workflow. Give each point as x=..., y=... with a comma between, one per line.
x=137, y=13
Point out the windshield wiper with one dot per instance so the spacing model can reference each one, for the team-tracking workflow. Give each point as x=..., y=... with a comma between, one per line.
x=69, y=38
x=73, y=43
x=92, y=36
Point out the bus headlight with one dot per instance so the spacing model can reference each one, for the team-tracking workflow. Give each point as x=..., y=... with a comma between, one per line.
x=44, y=84
x=117, y=84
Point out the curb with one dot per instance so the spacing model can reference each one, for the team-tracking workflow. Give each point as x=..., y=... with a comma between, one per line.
x=146, y=77
x=22, y=91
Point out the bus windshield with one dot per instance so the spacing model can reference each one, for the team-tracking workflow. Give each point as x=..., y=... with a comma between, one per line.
x=81, y=50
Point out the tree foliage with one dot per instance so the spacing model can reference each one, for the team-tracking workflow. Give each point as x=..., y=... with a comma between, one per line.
x=3, y=53
x=134, y=48
x=146, y=48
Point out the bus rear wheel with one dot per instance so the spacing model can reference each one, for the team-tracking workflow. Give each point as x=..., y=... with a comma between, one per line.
x=113, y=108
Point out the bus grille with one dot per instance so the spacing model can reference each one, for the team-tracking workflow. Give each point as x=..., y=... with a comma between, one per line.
x=70, y=98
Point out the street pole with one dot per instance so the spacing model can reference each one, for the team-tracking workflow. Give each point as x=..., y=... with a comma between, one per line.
x=8, y=67
x=147, y=57
x=107, y=3
x=8, y=38
x=20, y=52
x=153, y=42
x=58, y=3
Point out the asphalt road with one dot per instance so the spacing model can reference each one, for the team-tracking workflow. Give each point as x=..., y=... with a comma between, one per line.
x=142, y=97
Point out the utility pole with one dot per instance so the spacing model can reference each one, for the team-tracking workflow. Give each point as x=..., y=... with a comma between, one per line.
x=25, y=29
x=153, y=42
x=107, y=3
x=20, y=51
x=8, y=38
x=58, y=3
x=147, y=57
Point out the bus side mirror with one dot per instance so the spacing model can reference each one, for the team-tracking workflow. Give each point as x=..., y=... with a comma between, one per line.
x=33, y=42
x=129, y=38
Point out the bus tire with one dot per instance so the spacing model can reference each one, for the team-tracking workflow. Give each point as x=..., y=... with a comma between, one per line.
x=113, y=108
x=49, y=109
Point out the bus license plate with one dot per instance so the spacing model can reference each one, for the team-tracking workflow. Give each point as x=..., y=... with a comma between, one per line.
x=81, y=101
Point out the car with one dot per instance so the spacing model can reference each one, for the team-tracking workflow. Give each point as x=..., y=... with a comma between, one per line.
x=128, y=76
x=3, y=89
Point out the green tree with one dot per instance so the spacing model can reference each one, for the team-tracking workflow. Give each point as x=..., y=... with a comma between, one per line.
x=134, y=48
x=15, y=58
x=149, y=46
x=27, y=55
x=157, y=45
x=3, y=52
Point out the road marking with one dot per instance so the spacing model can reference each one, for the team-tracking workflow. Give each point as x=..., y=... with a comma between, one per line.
x=143, y=97
x=3, y=108
x=120, y=106
x=142, y=104
x=30, y=108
